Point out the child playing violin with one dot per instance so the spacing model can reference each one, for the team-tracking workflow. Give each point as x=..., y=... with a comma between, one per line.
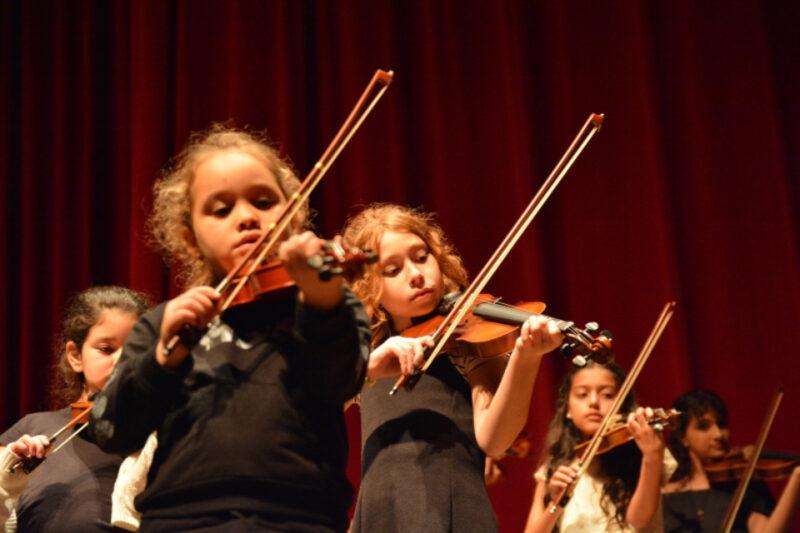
x=71, y=490
x=692, y=502
x=249, y=423
x=621, y=490
x=423, y=451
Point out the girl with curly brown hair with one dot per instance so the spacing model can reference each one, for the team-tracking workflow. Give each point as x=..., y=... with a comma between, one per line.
x=249, y=423
x=423, y=451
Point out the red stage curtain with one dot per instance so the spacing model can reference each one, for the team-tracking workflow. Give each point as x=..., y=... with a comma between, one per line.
x=690, y=192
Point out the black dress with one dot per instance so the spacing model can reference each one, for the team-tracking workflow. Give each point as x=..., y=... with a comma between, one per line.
x=422, y=469
x=704, y=510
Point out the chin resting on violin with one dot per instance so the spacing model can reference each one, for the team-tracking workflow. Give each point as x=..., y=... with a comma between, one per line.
x=74, y=478
x=463, y=406
x=700, y=489
x=254, y=405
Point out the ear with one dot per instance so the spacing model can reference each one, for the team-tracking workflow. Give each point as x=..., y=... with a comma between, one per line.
x=74, y=357
x=568, y=415
x=187, y=235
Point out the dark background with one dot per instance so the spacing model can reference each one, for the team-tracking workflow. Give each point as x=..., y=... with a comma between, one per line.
x=690, y=191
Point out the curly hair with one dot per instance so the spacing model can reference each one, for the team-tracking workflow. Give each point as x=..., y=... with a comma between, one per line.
x=619, y=466
x=693, y=404
x=170, y=223
x=83, y=311
x=365, y=231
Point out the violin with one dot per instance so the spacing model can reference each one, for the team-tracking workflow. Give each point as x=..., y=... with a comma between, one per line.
x=619, y=434
x=492, y=328
x=272, y=281
x=770, y=465
x=80, y=415
x=458, y=316
x=593, y=445
x=256, y=275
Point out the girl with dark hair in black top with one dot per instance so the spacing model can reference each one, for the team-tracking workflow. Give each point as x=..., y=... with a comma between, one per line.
x=691, y=502
x=71, y=490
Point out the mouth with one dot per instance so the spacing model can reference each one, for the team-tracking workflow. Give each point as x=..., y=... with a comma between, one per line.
x=246, y=243
x=594, y=417
x=422, y=293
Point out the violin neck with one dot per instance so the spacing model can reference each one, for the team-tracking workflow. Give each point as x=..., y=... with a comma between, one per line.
x=771, y=454
x=506, y=314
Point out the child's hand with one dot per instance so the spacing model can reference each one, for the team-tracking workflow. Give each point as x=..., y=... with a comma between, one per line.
x=194, y=308
x=649, y=441
x=538, y=336
x=561, y=479
x=30, y=446
x=398, y=355
x=294, y=253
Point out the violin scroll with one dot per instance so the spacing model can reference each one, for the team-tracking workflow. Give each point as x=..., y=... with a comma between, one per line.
x=587, y=344
x=337, y=260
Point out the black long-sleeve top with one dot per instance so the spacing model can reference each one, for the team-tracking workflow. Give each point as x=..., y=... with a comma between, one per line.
x=252, y=420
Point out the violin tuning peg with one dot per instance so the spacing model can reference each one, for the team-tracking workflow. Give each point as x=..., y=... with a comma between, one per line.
x=592, y=327
x=315, y=261
x=328, y=259
x=658, y=426
x=325, y=273
x=579, y=361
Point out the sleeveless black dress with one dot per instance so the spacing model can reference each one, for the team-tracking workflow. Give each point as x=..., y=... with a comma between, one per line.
x=422, y=469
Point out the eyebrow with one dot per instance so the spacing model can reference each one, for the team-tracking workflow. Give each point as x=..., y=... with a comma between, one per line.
x=412, y=249
x=105, y=339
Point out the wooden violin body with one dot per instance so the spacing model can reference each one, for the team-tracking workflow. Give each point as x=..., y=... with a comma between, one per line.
x=770, y=465
x=492, y=328
x=619, y=434
x=475, y=336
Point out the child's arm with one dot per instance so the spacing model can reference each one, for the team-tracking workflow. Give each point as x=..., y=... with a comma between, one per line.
x=331, y=326
x=398, y=355
x=314, y=293
x=540, y=519
x=647, y=496
x=781, y=517
x=501, y=394
x=12, y=484
x=140, y=390
x=19, y=444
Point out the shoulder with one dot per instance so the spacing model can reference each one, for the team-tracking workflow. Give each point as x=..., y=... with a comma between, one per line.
x=670, y=465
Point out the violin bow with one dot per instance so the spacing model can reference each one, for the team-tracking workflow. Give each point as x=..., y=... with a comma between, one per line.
x=34, y=462
x=266, y=242
x=468, y=297
x=738, y=495
x=624, y=389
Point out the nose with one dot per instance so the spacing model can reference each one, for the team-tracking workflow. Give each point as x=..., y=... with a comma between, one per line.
x=594, y=399
x=416, y=279
x=246, y=217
